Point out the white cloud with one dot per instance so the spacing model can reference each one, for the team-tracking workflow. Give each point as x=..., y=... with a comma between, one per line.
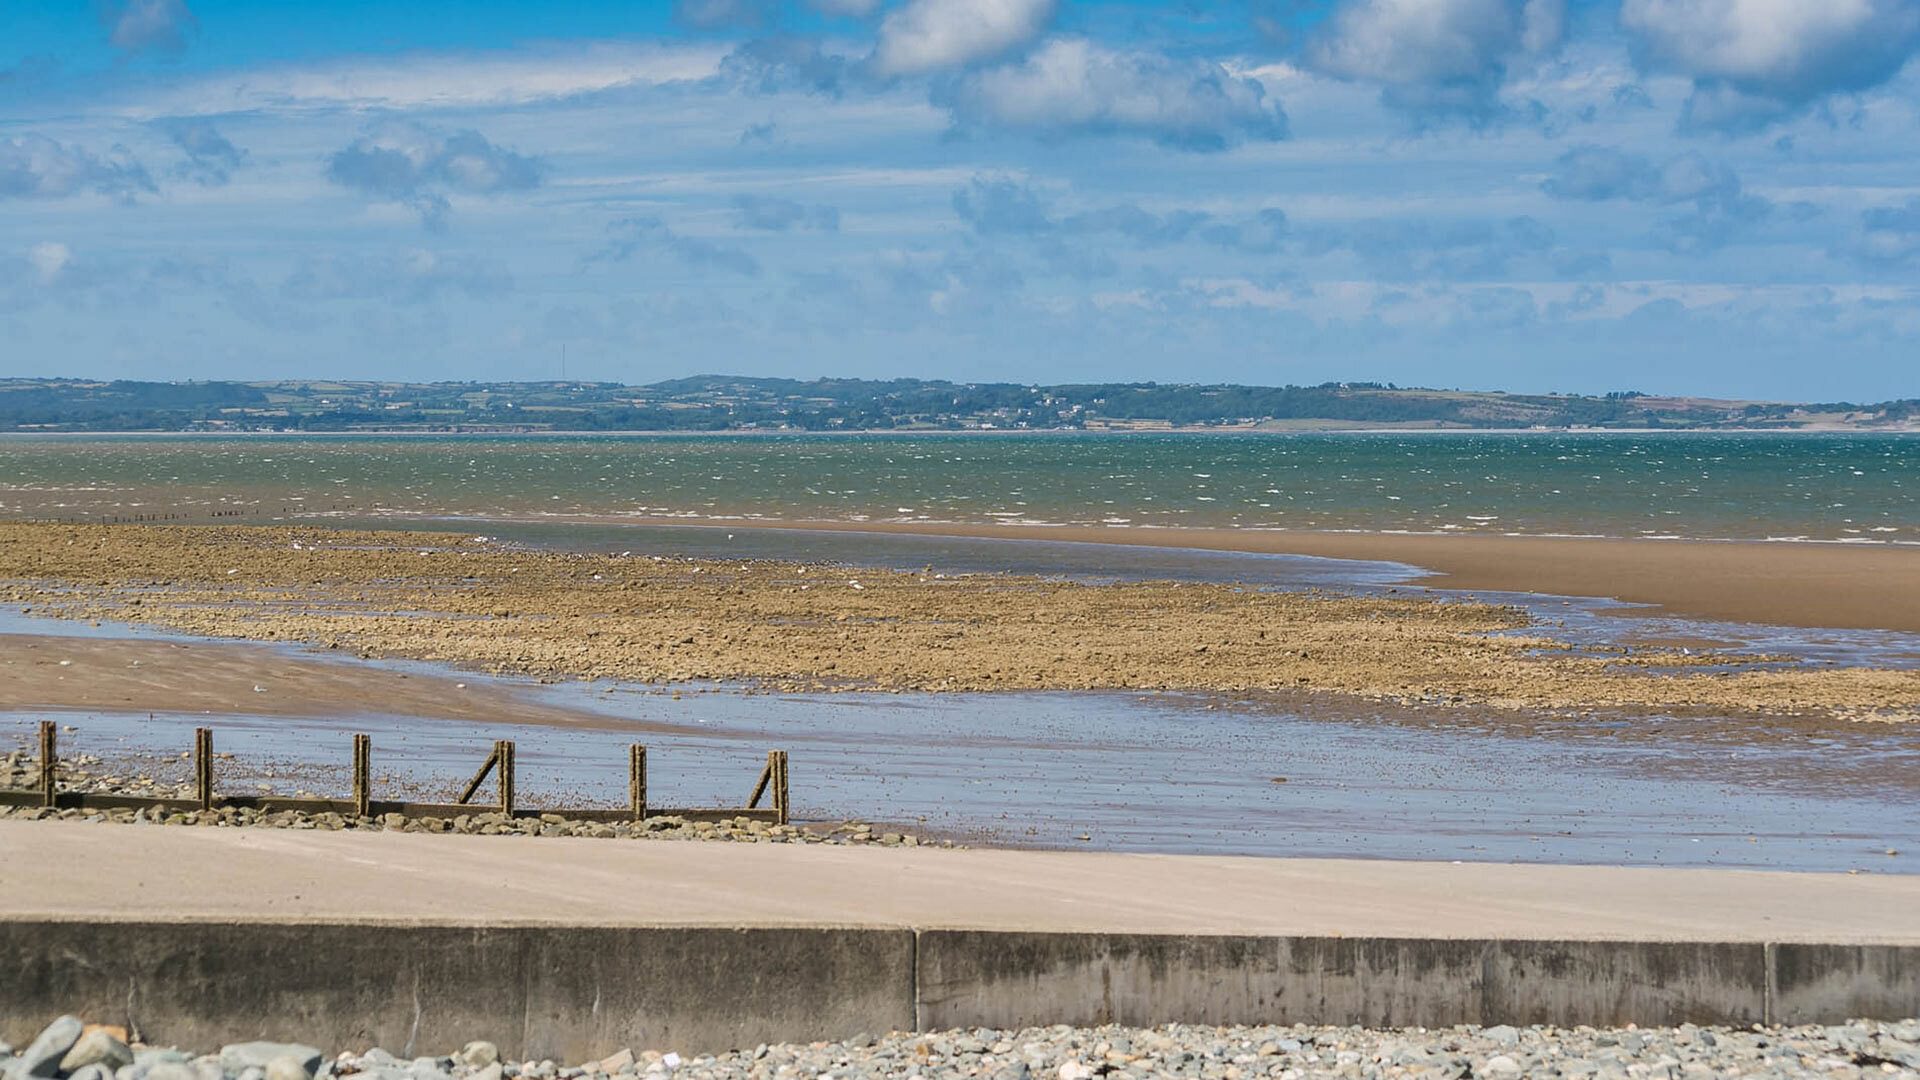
x=1753, y=61
x=1436, y=55
x=149, y=25
x=48, y=259
x=34, y=166
x=417, y=166
x=932, y=35
x=1888, y=236
x=1071, y=86
x=434, y=80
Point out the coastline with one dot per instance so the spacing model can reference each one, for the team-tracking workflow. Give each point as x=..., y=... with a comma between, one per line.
x=1304, y=428
x=1780, y=583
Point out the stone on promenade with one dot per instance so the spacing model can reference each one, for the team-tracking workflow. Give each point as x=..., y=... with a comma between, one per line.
x=236, y=1058
x=172, y=1070
x=41, y=1059
x=288, y=1067
x=97, y=1046
x=479, y=1054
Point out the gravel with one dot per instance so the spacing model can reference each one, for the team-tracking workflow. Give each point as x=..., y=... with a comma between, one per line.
x=17, y=771
x=1119, y=1053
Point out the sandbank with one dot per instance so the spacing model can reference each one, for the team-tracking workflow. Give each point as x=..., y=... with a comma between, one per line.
x=1781, y=583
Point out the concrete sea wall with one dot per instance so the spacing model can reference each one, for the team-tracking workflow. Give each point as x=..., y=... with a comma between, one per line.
x=573, y=993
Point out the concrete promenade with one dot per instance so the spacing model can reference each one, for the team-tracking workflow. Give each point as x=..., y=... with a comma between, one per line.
x=563, y=946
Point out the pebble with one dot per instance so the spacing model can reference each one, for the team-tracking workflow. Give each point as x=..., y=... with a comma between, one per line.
x=41, y=1059
x=97, y=1047
x=172, y=1070
x=1837, y=1052
x=288, y=1067
x=237, y=1058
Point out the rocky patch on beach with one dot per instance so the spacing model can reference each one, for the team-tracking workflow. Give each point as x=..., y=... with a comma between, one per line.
x=635, y=618
x=71, y=1050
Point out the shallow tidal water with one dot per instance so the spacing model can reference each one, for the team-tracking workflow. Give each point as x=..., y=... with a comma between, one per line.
x=1124, y=772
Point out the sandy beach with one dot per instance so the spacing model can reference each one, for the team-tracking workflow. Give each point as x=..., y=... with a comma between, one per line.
x=794, y=626
x=133, y=675
x=1782, y=583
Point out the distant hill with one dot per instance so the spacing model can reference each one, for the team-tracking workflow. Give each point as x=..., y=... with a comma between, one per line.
x=738, y=403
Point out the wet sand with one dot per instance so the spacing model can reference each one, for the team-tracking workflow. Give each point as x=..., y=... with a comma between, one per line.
x=791, y=626
x=122, y=675
x=1780, y=583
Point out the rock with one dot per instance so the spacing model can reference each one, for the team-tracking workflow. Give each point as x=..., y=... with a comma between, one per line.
x=171, y=1070
x=95, y=1071
x=114, y=1030
x=1502, y=1065
x=621, y=1060
x=488, y=1072
x=41, y=1059
x=1503, y=1035
x=479, y=1054
x=97, y=1046
x=236, y=1058
x=289, y=1067
x=1074, y=1070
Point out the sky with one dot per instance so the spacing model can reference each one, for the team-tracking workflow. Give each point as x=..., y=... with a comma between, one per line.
x=1717, y=197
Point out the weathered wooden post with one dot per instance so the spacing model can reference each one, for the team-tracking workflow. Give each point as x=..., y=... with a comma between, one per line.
x=637, y=780
x=480, y=777
x=49, y=757
x=761, y=782
x=203, y=767
x=505, y=750
x=362, y=775
x=780, y=786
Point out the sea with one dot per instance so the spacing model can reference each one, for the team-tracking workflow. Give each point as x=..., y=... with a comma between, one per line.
x=1111, y=771
x=1831, y=487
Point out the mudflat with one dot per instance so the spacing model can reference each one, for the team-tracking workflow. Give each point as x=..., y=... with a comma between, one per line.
x=1781, y=583
x=788, y=625
x=134, y=675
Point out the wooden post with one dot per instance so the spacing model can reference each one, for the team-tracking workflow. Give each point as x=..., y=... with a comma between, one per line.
x=506, y=776
x=760, y=783
x=49, y=756
x=780, y=786
x=480, y=777
x=362, y=775
x=637, y=780
x=203, y=767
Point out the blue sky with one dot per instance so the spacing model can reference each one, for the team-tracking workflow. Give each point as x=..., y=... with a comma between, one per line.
x=1692, y=196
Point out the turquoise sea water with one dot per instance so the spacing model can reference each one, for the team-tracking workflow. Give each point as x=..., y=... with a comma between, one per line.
x=1858, y=488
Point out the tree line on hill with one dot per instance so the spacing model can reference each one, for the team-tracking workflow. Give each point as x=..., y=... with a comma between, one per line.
x=721, y=403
